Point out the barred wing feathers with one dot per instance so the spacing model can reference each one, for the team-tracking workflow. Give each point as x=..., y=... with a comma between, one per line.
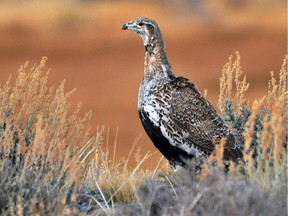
x=200, y=125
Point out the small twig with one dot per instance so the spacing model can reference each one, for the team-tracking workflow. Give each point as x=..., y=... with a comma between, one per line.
x=170, y=183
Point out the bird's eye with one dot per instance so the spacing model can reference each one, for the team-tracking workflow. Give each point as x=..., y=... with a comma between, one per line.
x=141, y=24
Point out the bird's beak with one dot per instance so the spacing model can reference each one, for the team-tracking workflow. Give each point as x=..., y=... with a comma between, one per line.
x=128, y=25
x=125, y=26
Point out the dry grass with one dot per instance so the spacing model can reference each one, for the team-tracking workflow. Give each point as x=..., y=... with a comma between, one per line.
x=115, y=182
x=50, y=164
x=264, y=129
x=226, y=84
x=45, y=147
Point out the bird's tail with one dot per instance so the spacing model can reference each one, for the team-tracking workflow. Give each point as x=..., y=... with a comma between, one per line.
x=235, y=154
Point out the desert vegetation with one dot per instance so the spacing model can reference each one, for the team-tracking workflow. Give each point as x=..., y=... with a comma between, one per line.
x=51, y=163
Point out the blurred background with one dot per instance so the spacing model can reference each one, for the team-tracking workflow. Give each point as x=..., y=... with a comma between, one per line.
x=85, y=45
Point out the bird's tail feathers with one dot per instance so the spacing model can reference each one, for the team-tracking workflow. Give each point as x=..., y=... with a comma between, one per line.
x=235, y=154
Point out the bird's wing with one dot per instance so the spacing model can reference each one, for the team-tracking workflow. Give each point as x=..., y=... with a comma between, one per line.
x=196, y=119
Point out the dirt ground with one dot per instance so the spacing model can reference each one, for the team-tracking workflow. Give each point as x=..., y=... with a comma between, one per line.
x=86, y=47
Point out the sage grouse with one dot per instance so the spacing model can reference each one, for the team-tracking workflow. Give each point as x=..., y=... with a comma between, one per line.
x=181, y=123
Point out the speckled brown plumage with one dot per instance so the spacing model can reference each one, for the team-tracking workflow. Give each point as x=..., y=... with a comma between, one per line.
x=181, y=123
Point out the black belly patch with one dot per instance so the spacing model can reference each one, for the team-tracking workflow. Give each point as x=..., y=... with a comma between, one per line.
x=172, y=153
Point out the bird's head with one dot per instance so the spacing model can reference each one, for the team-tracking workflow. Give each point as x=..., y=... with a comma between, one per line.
x=146, y=28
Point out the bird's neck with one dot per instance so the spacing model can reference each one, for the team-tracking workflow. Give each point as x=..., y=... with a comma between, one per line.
x=156, y=64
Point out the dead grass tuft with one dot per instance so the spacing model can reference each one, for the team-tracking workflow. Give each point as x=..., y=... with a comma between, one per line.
x=226, y=84
x=45, y=147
